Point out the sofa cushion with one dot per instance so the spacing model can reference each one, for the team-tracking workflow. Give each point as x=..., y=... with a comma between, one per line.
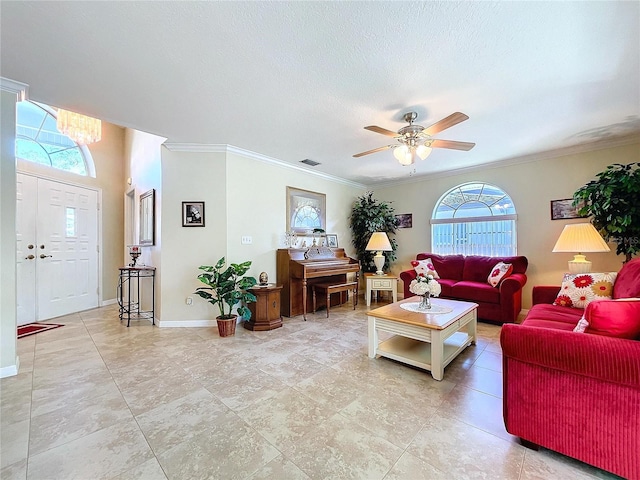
x=447, y=287
x=498, y=272
x=579, y=289
x=477, y=268
x=447, y=266
x=618, y=318
x=557, y=315
x=628, y=281
x=425, y=267
x=476, y=292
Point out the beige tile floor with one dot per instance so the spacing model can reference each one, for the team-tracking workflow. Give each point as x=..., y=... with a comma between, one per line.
x=97, y=400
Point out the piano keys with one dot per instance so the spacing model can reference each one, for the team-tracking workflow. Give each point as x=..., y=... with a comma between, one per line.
x=299, y=268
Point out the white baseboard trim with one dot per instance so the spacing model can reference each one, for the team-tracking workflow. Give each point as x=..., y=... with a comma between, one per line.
x=11, y=370
x=111, y=301
x=186, y=323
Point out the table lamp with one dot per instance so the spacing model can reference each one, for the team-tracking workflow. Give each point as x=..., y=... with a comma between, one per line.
x=580, y=237
x=379, y=242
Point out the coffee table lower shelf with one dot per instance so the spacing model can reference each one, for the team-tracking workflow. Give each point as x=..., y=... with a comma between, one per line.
x=418, y=353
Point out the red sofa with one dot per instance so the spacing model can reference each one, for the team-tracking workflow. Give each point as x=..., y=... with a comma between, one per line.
x=576, y=393
x=465, y=278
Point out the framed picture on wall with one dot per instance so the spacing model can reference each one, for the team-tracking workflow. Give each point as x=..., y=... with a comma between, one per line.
x=564, y=209
x=405, y=220
x=193, y=214
x=306, y=210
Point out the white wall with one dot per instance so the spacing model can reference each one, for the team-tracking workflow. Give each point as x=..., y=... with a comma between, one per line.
x=144, y=166
x=8, y=339
x=190, y=177
x=243, y=196
x=532, y=186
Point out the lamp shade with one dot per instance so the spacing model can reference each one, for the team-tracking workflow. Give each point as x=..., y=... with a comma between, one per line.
x=580, y=237
x=379, y=242
x=403, y=154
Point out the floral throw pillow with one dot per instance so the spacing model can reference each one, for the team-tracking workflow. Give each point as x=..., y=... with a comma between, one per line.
x=425, y=267
x=500, y=271
x=579, y=289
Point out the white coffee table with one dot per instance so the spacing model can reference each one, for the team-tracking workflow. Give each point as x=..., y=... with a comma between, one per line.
x=425, y=340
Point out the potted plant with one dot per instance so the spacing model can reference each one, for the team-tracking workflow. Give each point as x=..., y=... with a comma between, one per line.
x=612, y=202
x=225, y=289
x=369, y=215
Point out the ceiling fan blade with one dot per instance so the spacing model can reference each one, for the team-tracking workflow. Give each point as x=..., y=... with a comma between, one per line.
x=379, y=149
x=453, y=145
x=450, y=121
x=383, y=131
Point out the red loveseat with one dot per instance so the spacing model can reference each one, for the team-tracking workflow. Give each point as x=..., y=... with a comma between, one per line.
x=577, y=393
x=465, y=278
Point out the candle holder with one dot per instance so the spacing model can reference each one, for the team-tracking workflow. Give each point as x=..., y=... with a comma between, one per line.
x=134, y=251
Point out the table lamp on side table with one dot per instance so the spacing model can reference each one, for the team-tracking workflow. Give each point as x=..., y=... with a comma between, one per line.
x=580, y=237
x=379, y=242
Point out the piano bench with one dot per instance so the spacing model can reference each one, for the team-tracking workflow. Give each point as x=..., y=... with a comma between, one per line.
x=330, y=288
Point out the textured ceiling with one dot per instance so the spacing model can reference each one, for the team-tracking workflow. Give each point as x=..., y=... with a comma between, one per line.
x=296, y=80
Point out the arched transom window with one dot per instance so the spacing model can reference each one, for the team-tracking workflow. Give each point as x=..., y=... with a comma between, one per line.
x=38, y=140
x=474, y=219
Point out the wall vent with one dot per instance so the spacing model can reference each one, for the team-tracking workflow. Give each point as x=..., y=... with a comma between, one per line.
x=311, y=163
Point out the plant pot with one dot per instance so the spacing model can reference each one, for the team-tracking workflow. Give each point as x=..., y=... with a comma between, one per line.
x=227, y=326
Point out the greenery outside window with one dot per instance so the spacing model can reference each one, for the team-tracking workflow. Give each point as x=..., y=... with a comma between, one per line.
x=474, y=219
x=38, y=140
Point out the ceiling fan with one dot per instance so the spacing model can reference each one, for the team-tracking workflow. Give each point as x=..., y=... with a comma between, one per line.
x=416, y=140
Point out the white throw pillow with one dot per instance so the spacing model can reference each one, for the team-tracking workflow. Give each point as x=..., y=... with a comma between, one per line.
x=425, y=267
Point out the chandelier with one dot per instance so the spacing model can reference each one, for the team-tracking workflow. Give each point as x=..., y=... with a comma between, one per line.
x=79, y=128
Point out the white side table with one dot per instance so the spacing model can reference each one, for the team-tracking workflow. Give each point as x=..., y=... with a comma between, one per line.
x=385, y=282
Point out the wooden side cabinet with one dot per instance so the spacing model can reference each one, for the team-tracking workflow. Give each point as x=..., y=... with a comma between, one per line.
x=265, y=312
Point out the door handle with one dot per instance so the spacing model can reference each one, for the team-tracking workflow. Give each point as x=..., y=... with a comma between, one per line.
x=29, y=257
x=42, y=255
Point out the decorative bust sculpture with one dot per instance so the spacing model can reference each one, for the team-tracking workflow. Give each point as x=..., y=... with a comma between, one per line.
x=263, y=278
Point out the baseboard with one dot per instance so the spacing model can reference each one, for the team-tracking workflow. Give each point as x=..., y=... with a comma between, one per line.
x=111, y=301
x=186, y=323
x=11, y=370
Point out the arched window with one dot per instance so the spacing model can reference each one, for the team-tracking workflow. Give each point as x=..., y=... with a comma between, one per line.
x=38, y=140
x=474, y=219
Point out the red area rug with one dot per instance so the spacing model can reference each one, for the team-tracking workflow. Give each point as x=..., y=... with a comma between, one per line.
x=33, y=328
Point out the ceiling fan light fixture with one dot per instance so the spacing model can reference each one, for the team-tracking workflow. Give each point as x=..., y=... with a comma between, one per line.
x=403, y=154
x=423, y=151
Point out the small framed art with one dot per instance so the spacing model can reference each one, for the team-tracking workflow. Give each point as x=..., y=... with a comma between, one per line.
x=564, y=209
x=332, y=240
x=405, y=220
x=193, y=214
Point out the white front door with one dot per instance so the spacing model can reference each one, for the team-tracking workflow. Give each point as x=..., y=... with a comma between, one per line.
x=65, y=249
x=27, y=192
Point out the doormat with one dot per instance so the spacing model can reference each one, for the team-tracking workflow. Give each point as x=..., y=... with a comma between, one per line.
x=33, y=328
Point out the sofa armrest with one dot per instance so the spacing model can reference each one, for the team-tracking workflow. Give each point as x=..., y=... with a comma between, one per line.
x=407, y=276
x=512, y=283
x=609, y=359
x=544, y=294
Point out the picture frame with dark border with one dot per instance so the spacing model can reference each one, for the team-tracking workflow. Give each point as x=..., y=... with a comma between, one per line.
x=564, y=209
x=405, y=220
x=332, y=240
x=193, y=214
x=298, y=199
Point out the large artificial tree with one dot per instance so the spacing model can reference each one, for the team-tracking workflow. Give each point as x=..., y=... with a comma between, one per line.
x=369, y=215
x=613, y=202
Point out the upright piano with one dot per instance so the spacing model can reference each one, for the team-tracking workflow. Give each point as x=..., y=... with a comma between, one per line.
x=299, y=268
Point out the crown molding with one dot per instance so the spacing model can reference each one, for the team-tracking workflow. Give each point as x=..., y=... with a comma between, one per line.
x=13, y=86
x=221, y=148
x=534, y=157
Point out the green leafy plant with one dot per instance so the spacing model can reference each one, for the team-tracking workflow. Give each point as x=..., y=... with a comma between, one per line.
x=613, y=203
x=226, y=288
x=369, y=215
